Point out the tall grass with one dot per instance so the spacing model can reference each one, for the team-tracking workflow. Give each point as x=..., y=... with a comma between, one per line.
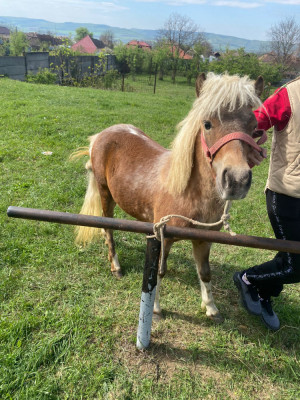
x=67, y=327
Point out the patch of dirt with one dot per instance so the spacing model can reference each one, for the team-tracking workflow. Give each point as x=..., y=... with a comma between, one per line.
x=163, y=358
x=170, y=353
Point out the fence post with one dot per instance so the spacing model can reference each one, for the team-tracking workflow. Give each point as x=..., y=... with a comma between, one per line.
x=25, y=63
x=155, y=75
x=148, y=293
x=92, y=64
x=123, y=82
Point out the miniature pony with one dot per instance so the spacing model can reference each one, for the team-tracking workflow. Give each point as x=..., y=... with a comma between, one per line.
x=126, y=167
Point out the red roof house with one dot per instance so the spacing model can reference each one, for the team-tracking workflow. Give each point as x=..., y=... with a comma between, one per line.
x=139, y=44
x=181, y=53
x=88, y=45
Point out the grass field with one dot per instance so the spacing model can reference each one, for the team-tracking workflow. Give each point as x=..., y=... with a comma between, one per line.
x=68, y=328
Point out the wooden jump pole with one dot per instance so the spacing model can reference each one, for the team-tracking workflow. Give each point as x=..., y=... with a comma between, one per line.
x=147, y=228
x=153, y=249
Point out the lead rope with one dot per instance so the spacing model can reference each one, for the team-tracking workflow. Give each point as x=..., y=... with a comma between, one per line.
x=158, y=227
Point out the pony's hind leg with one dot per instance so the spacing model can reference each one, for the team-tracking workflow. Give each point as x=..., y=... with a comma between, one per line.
x=108, y=206
x=201, y=255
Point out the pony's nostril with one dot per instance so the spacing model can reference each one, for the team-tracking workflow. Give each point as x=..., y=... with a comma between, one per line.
x=225, y=179
x=247, y=178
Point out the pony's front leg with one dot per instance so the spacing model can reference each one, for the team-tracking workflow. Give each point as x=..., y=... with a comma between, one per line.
x=157, y=313
x=201, y=255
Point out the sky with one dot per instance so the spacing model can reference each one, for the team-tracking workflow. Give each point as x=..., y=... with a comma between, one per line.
x=248, y=19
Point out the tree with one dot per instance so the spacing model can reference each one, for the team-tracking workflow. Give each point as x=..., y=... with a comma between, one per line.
x=161, y=57
x=202, y=47
x=180, y=34
x=81, y=32
x=129, y=58
x=107, y=38
x=18, y=43
x=284, y=38
x=4, y=47
x=199, y=63
x=241, y=63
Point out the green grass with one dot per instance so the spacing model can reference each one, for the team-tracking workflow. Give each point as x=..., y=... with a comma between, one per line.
x=67, y=327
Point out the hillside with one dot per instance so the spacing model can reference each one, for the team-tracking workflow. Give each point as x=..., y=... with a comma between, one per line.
x=218, y=42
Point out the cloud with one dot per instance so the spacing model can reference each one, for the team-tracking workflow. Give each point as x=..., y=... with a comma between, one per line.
x=104, y=6
x=224, y=3
x=96, y=5
x=175, y=2
x=237, y=4
x=285, y=2
x=64, y=10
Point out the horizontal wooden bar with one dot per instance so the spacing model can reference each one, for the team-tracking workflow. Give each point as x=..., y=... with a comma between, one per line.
x=147, y=228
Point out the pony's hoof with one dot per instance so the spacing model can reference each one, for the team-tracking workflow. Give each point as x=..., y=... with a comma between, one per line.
x=117, y=274
x=157, y=317
x=217, y=318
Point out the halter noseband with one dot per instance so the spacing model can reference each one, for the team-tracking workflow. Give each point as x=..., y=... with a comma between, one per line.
x=211, y=151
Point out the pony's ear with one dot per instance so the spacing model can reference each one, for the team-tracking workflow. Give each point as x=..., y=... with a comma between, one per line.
x=259, y=85
x=199, y=82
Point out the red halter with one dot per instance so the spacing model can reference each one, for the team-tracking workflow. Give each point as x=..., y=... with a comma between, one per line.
x=211, y=151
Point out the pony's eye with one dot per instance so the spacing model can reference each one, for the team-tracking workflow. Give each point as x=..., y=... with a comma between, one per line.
x=207, y=125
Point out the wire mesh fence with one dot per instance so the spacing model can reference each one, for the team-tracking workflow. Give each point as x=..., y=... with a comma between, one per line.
x=150, y=83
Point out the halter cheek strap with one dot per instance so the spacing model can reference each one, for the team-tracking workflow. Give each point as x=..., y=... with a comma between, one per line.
x=211, y=151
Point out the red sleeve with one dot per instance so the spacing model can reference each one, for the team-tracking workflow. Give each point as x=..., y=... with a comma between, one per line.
x=276, y=111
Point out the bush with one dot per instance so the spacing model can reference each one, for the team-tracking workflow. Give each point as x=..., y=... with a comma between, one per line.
x=44, y=76
x=242, y=63
x=110, y=79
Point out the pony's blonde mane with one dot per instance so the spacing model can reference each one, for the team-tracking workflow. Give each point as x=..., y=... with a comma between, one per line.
x=218, y=92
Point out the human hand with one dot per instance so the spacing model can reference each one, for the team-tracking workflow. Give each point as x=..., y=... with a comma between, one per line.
x=255, y=157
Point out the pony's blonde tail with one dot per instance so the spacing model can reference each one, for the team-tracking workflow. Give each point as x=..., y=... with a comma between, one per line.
x=91, y=204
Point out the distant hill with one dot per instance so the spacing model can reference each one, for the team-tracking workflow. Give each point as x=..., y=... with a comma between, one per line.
x=218, y=42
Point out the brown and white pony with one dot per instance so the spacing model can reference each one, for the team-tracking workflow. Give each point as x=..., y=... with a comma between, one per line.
x=147, y=181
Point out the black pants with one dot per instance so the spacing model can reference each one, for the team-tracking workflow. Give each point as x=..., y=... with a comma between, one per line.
x=269, y=277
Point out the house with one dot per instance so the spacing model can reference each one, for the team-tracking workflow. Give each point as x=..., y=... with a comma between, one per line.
x=181, y=53
x=185, y=56
x=37, y=40
x=292, y=68
x=139, y=44
x=4, y=32
x=214, y=56
x=88, y=45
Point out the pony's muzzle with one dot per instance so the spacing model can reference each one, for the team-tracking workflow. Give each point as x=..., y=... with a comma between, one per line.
x=235, y=184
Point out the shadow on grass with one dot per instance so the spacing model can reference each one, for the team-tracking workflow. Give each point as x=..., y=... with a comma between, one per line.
x=181, y=269
x=225, y=359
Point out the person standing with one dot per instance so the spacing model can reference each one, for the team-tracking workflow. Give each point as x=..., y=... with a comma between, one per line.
x=257, y=285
